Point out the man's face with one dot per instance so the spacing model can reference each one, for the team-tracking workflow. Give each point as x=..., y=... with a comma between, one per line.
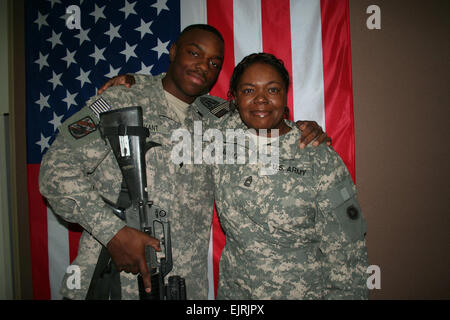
x=195, y=63
x=261, y=97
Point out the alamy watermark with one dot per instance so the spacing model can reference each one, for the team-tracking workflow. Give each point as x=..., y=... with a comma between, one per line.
x=74, y=279
x=374, y=280
x=73, y=20
x=238, y=146
x=374, y=20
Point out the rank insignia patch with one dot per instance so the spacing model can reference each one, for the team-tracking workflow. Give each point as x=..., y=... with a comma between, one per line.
x=82, y=127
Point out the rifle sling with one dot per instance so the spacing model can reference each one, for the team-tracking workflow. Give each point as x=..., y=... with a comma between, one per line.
x=105, y=283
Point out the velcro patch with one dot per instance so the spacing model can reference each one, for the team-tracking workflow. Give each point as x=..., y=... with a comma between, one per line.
x=82, y=127
x=215, y=107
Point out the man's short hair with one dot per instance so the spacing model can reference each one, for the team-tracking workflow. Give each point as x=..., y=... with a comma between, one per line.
x=205, y=27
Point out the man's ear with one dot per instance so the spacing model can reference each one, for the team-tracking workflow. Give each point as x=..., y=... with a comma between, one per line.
x=172, y=52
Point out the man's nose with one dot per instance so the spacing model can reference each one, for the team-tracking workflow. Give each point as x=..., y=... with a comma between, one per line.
x=203, y=65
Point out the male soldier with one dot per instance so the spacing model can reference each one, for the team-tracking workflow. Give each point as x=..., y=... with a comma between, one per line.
x=79, y=169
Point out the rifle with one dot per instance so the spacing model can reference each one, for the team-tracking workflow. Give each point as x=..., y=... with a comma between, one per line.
x=127, y=135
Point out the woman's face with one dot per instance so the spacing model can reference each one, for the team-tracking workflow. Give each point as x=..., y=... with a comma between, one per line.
x=261, y=98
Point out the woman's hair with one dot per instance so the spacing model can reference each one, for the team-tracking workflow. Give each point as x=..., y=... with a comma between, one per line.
x=251, y=59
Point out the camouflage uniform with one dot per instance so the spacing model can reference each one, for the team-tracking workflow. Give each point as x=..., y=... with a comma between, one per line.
x=75, y=172
x=296, y=234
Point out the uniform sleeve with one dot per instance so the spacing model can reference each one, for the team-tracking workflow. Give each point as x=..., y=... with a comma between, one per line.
x=69, y=179
x=141, y=78
x=341, y=227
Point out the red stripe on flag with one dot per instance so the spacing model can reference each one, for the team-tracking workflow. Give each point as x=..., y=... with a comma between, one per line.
x=276, y=36
x=38, y=235
x=338, y=91
x=220, y=16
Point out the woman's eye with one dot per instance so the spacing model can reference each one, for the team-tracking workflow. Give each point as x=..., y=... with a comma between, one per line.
x=274, y=90
x=247, y=90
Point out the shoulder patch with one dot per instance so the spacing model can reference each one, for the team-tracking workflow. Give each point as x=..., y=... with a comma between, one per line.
x=82, y=127
x=212, y=107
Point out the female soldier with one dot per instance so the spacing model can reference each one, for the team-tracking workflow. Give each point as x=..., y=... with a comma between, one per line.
x=297, y=233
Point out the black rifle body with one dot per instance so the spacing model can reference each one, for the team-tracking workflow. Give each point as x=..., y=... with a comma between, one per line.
x=127, y=136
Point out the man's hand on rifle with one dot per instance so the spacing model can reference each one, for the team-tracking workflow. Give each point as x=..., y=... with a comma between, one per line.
x=127, y=249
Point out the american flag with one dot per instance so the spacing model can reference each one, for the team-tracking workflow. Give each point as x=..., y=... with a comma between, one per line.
x=66, y=65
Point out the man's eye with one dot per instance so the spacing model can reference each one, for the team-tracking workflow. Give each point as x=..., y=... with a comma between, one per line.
x=214, y=64
x=194, y=53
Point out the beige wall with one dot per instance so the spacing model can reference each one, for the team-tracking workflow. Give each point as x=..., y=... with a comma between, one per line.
x=402, y=116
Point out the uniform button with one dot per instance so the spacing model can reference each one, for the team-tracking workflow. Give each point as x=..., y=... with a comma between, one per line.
x=352, y=212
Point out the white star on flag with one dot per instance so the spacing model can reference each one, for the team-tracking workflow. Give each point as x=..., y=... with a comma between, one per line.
x=160, y=5
x=70, y=99
x=128, y=9
x=43, y=101
x=145, y=69
x=42, y=61
x=83, y=35
x=83, y=77
x=161, y=48
x=144, y=28
x=112, y=72
x=55, y=39
x=98, y=13
x=113, y=32
x=44, y=142
x=56, y=80
x=98, y=54
x=56, y=122
x=69, y=58
x=129, y=51
x=41, y=20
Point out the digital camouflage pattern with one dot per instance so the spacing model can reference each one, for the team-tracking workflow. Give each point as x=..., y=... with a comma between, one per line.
x=290, y=235
x=76, y=171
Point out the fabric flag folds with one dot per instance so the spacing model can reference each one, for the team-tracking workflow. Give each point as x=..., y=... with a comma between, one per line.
x=65, y=66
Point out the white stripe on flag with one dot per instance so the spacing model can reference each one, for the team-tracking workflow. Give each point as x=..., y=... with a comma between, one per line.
x=307, y=63
x=247, y=27
x=192, y=12
x=58, y=252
